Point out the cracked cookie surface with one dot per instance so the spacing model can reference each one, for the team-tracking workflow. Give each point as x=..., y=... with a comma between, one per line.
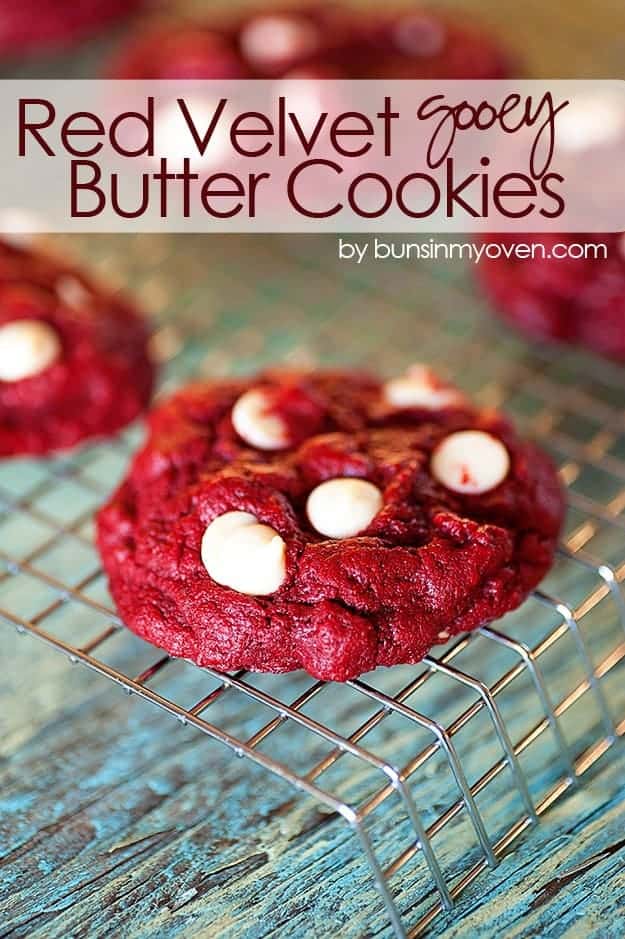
x=211, y=544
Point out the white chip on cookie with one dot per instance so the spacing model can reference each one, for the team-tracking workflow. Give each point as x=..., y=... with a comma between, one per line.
x=19, y=227
x=419, y=35
x=304, y=94
x=27, y=347
x=175, y=141
x=419, y=387
x=470, y=462
x=71, y=292
x=272, y=39
x=241, y=553
x=254, y=423
x=342, y=508
x=589, y=121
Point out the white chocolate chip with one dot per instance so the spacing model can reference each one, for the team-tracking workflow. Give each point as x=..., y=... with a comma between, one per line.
x=341, y=508
x=419, y=36
x=305, y=99
x=269, y=40
x=420, y=388
x=253, y=422
x=27, y=347
x=590, y=121
x=20, y=228
x=470, y=461
x=175, y=141
x=71, y=292
x=240, y=553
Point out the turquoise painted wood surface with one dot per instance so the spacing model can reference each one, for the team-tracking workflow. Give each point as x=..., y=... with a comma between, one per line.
x=115, y=822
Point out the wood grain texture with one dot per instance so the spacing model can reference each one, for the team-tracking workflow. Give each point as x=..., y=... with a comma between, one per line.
x=115, y=821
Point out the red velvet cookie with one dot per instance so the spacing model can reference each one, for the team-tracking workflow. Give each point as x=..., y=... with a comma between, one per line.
x=73, y=357
x=577, y=300
x=26, y=25
x=324, y=41
x=325, y=521
x=184, y=52
x=421, y=44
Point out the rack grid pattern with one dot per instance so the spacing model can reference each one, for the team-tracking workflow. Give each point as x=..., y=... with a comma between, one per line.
x=436, y=769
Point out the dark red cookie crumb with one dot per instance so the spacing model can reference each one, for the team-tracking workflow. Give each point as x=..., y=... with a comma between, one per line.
x=102, y=377
x=574, y=300
x=431, y=562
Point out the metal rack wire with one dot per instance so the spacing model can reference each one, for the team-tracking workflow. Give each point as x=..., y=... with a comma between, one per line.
x=371, y=751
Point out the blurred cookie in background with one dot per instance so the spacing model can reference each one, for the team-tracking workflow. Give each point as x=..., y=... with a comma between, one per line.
x=74, y=361
x=328, y=41
x=180, y=52
x=30, y=26
x=571, y=290
x=422, y=44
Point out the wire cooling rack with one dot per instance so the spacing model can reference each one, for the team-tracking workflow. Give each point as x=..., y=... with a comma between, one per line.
x=436, y=769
